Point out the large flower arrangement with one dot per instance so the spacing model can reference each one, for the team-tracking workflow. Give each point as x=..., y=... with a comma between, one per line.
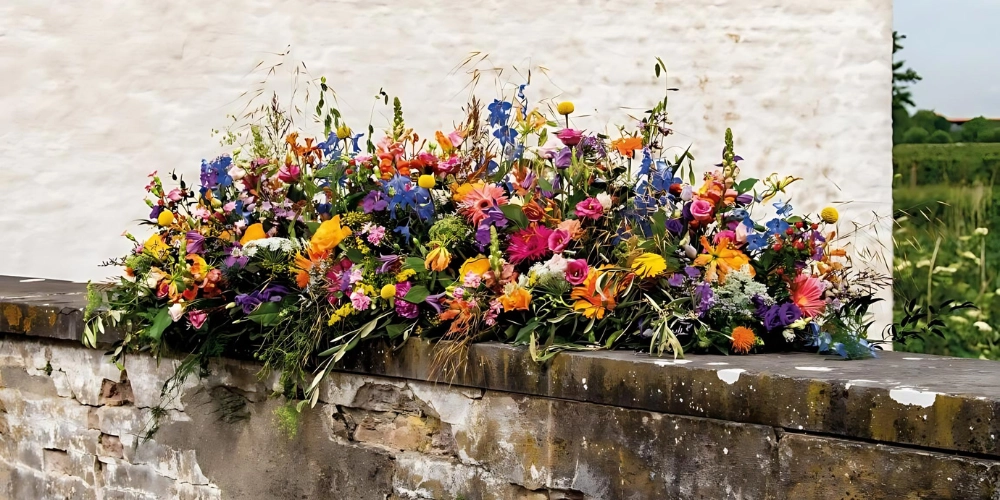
x=514, y=226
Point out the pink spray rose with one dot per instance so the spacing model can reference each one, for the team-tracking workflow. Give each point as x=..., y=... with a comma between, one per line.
x=701, y=210
x=197, y=318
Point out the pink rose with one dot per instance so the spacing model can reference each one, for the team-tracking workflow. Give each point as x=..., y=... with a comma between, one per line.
x=197, y=318
x=701, y=210
x=577, y=271
x=558, y=240
x=570, y=137
x=590, y=209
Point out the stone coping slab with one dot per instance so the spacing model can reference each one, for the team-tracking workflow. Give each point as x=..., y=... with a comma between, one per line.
x=926, y=401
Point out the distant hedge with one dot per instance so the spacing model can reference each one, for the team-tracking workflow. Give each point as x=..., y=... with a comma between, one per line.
x=955, y=164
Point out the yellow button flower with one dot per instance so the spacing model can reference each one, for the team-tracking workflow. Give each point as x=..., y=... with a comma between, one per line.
x=165, y=218
x=426, y=181
x=829, y=215
x=565, y=108
x=387, y=292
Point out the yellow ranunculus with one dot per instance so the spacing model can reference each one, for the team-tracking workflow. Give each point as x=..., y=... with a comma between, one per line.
x=165, y=218
x=649, y=265
x=438, y=259
x=565, y=108
x=329, y=235
x=426, y=181
x=829, y=215
x=253, y=232
x=387, y=292
x=476, y=265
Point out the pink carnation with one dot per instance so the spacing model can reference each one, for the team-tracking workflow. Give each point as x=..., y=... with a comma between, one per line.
x=360, y=301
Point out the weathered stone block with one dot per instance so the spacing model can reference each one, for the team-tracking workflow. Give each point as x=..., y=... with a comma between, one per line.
x=825, y=468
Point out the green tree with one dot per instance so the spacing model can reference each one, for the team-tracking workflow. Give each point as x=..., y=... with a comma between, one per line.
x=916, y=135
x=974, y=127
x=901, y=96
x=989, y=135
x=930, y=121
x=939, y=137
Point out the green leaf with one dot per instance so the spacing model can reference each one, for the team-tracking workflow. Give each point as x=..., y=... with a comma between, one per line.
x=355, y=255
x=525, y=333
x=266, y=314
x=745, y=185
x=417, y=294
x=396, y=329
x=515, y=214
x=415, y=263
x=160, y=323
x=542, y=137
x=545, y=185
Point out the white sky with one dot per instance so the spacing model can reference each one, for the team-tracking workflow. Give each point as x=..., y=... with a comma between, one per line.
x=955, y=46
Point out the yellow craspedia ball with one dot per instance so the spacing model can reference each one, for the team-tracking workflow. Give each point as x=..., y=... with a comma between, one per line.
x=565, y=108
x=387, y=292
x=165, y=218
x=426, y=181
x=829, y=215
x=343, y=132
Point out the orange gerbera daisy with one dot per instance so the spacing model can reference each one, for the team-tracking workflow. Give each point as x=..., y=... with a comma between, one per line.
x=719, y=260
x=743, y=339
x=595, y=303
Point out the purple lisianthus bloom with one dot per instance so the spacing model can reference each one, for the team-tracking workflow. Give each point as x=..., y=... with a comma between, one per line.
x=195, y=242
x=435, y=301
x=744, y=199
x=675, y=226
x=564, y=158
x=156, y=211
x=403, y=308
x=781, y=315
x=704, y=297
x=250, y=301
x=273, y=293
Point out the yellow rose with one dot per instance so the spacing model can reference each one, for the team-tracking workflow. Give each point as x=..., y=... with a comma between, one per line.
x=649, y=265
x=253, y=232
x=565, y=108
x=165, y=218
x=477, y=265
x=438, y=259
x=329, y=235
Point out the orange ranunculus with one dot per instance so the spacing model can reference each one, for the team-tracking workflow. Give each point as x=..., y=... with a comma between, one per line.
x=329, y=235
x=515, y=300
x=626, y=146
x=253, y=232
x=438, y=259
x=719, y=260
x=475, y=265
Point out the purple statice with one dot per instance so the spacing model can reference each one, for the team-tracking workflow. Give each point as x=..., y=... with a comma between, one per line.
x=781, y=315
x=195, y=242
x=704, y=298
x=595, y=146
x=403, y=308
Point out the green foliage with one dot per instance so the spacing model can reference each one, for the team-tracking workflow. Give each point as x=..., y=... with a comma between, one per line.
x=289, y=418
x=930, y=121
x=939, y=137
x=901, y=95
x=958, y=164
x=916, y=135
x=990, y=135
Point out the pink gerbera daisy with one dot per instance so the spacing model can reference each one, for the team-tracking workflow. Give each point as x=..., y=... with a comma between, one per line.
x=480, y=200
x=529, y=244
x=807, y=293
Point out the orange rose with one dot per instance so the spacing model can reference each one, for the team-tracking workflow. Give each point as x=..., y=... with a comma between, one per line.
x=516, y=300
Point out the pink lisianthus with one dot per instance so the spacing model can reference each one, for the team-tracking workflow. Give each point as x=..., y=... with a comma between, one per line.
x=576, y=271
x=558, y=240
x=570, y=137
x=289, y=173
x=175, y=194
x=590, y=209
x=360, y=301
x=701, y=210
x=197, y=318
x=724, y=235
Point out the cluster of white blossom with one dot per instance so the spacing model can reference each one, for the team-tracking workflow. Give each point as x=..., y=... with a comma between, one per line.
x=735, y=297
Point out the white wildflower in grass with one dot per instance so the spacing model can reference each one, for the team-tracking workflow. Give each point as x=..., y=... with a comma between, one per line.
x=982, y=231
x=943, y=269
x=272, y=244
x=983, y=327
x=959, y=319
x=924, y=263
x=971, y=256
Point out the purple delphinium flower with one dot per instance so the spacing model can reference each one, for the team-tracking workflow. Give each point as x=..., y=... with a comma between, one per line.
x=374, y=202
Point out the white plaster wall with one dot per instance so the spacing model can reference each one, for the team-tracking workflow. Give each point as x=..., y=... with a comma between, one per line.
x=97, y=94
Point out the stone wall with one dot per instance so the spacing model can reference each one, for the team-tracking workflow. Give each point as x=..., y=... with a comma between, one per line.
x=99, y=94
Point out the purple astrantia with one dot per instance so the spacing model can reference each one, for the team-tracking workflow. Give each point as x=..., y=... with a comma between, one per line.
x=235, y=259
x=195, y=242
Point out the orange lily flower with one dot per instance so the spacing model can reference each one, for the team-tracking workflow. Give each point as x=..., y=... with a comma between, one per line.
x=626, y=146
x=719, y=260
